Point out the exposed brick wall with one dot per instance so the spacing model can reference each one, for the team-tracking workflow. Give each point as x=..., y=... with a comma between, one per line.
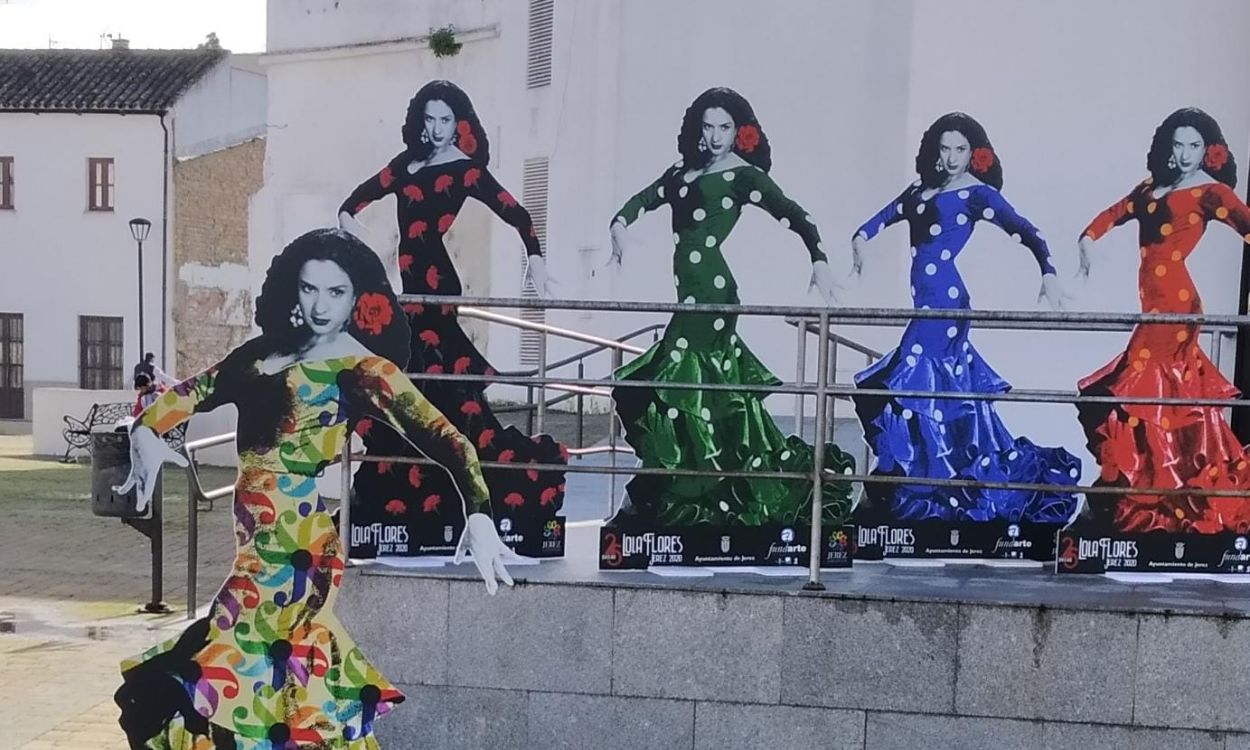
x=213, y=299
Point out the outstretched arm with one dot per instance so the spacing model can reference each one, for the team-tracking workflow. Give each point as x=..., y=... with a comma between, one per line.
x=373, y=189
x=1225, y=206
x=648, y=199
x=382, y=391
x=762, y=191
x=1112, y=217
x=890, y=214
x=483, y=186
x=995, y=209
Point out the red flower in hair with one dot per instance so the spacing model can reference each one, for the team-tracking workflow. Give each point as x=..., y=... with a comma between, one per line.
x=444, y=222
x=429, y=337
x=486, y=438
x=443, y=183
x=747, y=139
x=435, y=369
x=505, y=457
x=405, y=262
x=416, y=229
x=506, y=199
x=373, y=313
x=431, y=503
x=514, y=499
x=414, y=476
x=470, y=408
x=386, y=177
x=1216, y=156
x=548, y=496
x=363, y=427
x=396, y=507
x=414, y=193
x=471, y=175
x=465, y=138
x=413, y=308
x=982, y=159
x=432, y=277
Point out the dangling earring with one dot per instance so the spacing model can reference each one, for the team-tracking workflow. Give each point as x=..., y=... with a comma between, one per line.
x=939, y=166
x=425, y=137
x=297, y=317
x=1172, y=161
x=702, y=145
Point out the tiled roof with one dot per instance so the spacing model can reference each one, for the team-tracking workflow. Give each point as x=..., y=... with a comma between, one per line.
x=110, y=80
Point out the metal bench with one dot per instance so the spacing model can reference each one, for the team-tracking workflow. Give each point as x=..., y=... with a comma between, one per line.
x=77, y=432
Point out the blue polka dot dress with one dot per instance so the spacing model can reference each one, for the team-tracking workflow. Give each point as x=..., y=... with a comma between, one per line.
x=952, y=438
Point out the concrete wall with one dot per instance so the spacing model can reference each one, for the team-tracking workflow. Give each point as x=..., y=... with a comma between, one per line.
x=582, y=665
x=213, y=294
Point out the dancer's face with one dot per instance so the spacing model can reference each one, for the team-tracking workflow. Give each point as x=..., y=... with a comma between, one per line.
x=326, y=296
x=440, y=124
x=1188, y=149
x=719, y=132
x=954, y=153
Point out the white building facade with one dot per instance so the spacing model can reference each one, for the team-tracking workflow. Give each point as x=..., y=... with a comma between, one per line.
x=88, y=139
x=1070, y=93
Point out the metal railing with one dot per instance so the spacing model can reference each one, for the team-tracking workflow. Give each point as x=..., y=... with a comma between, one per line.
x=824, y=391
x=197, y=495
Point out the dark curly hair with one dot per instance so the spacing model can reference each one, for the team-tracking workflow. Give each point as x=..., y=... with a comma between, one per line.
x=930, y=144
x=455, y=98
x=1161, y=147
x=280, y=294
x=740, y=110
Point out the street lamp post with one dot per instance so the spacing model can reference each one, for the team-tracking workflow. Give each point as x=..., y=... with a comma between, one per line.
x=139, y=229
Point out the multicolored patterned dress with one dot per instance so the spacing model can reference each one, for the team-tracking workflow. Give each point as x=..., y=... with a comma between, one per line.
x=427, y=204
x=715, y=430
x=271, y=666
x=1168, y=447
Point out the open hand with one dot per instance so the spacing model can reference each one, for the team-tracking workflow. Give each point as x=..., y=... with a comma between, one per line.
x=536, y=271
x=147, y=453
x=857, y=254
x=1053, y=292
x=1086, y=245
x=489, y=552
x=826, y=283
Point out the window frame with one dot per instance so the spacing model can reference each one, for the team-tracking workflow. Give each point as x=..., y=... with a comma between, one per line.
x=105, y=183
x=107, y=371
x=6, y=183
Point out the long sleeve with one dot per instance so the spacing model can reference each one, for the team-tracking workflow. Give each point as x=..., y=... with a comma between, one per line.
x=163, y=377
x=483, y=186
x=1229, y=209
x=989, y=205
x=762, y=191
x=381, y=390
x=375, y=188
x=197, y=394
x=1115, y=215
x=890, y=214
x=648, y=199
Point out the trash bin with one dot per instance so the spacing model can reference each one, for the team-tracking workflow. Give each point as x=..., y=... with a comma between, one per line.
x=110, y=465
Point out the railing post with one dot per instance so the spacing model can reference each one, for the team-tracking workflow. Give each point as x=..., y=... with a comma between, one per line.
x=818, y=456
x=831, y=421
x=193, y=531
x=157, y=604
x=617, y=361
x=345, y=496
x=800, y=376
x=581, y=403
x=542, y=373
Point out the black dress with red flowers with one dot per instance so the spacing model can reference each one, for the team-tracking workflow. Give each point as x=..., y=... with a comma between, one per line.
x=423, y=498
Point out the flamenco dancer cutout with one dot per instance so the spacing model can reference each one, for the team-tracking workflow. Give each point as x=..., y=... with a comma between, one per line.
x=724, y=165
x=1191, y=181
x=935, y=437
x=443, y=165
x=271, y=665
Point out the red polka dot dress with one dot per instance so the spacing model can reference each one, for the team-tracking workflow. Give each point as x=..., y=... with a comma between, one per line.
x=1172, y=447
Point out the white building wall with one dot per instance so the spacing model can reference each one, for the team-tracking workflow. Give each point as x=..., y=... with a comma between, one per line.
x=225, y=107
x=63, y=261
x=1069, y=91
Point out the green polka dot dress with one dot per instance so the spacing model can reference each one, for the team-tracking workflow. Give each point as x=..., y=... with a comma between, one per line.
x=715, y=430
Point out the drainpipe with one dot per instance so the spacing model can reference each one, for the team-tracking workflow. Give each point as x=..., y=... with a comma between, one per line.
x=165, y=170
